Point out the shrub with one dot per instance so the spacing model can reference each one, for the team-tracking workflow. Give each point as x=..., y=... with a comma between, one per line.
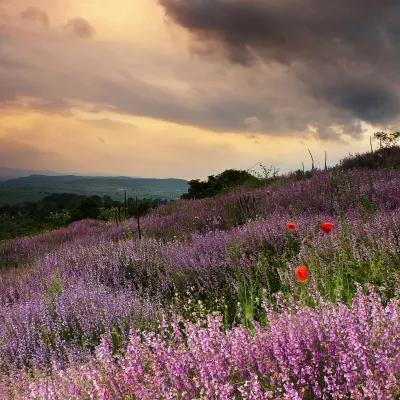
x=388, y=157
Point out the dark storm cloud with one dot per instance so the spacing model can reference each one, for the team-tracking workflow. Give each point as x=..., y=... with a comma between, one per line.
x=373, y=102
x=290, y=30
x=346, y=51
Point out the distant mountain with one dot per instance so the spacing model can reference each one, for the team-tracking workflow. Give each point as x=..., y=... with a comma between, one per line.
x=41, y=185
x=13, y=173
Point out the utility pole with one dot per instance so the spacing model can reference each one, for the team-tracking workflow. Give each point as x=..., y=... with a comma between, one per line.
x=138, y=219
x=125, y=206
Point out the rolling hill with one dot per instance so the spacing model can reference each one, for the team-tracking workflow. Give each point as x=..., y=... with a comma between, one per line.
x=7, y=173
x=34, y=187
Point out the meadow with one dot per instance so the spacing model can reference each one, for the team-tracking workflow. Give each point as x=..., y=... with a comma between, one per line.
x=288, y=291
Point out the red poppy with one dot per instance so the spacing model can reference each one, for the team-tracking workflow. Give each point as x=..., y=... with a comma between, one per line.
x=302, y=274
x=291, y=226
x=327, y=227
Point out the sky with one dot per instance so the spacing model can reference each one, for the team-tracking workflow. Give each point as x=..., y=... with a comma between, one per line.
x=188, y=88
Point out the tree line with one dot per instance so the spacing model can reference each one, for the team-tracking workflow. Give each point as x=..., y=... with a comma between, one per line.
x=60, y=209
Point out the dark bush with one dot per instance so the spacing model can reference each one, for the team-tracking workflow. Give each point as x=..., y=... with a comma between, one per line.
x=388, y=157
x=214, y=185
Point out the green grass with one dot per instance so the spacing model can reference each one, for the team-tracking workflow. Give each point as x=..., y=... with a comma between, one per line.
x=13, y=227
x=334, y=276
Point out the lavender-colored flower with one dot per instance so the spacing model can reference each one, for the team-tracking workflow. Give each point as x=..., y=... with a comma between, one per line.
x=332, y=351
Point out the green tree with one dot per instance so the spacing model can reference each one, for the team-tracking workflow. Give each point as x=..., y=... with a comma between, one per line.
x=226, y=180
x=387, y=139
x=139, y=207
x=86, y=208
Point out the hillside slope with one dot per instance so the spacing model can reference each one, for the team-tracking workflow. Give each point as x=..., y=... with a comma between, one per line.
x=210, y=301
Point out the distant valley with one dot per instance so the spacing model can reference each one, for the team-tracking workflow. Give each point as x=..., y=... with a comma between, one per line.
x=35, y=187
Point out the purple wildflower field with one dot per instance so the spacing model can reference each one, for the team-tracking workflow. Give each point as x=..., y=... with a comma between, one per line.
x=207, y=305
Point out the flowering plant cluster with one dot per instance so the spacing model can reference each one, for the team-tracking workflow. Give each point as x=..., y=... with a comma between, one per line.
x=64, y=302
x=327, y=192
x=330, y=352
x=302, y=271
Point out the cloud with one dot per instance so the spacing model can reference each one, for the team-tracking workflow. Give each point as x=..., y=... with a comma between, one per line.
x=253, y=124
x=36, y=15
x=79, y=27
x=371, y=101
x=345, y=52
x=272, y=67
x=288, y=31
x=53, y=74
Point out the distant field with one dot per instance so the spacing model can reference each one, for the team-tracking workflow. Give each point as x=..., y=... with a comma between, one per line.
x=36, y=187
x=11, y=196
